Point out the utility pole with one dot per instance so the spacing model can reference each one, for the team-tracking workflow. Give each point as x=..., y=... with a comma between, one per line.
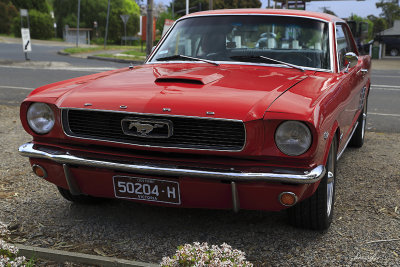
x=210, y=4
x=187, y=7
x=149, y=27
x=77, y=28
x=108, y=15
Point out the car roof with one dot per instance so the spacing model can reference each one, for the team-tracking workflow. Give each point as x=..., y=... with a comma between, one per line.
x=260, y=11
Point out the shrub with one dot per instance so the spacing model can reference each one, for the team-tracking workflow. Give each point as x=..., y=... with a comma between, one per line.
x=8, y=253
x=41, y=25
x=203, y=255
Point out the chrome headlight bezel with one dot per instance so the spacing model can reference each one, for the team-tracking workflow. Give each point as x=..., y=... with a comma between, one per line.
x=293, y=138
x=40, y=118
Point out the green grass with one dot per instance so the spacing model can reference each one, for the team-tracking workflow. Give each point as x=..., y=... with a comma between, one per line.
x=76, y=50
x=7, y=35
x=127, y=57
x=133, y=53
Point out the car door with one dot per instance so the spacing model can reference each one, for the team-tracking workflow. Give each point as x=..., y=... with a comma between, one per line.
x=351, y=82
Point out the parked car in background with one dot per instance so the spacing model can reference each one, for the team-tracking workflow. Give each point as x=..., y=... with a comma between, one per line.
x=392, y=45
x=216, y=118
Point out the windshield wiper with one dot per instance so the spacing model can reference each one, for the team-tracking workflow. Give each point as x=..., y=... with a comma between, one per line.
x=186, y=58
x=253, y=58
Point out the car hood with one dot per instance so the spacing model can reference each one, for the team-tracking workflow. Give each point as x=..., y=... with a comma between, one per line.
x=202, y=90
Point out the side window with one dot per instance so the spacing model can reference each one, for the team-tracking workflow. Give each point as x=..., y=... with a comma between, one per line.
x=343, y=44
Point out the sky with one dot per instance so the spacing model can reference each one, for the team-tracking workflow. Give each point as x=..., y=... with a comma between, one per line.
x=342, y=9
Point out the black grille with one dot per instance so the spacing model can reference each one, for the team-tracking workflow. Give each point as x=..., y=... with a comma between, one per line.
x=193, y=133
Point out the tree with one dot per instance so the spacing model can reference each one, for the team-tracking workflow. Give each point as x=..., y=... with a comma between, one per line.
x=328, y=11
x=161, y=19
x=41, y=25
x=65, y=12
x=221, y=4
x=390, y=11
x=379, y=24
x=195, y=5
x=201, y=5
x=7, y=13
x=39, y=5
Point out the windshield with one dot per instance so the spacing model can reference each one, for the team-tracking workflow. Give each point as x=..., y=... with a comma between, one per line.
x=295, y=40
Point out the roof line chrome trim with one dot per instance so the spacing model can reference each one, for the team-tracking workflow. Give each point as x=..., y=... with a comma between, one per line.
x=254, y=14
x=63, y=157
x=160, y=115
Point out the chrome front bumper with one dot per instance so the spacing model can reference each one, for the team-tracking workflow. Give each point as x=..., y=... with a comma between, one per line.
x=64, y=157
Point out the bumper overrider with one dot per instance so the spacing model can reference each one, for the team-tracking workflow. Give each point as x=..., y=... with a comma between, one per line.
x=63, y=157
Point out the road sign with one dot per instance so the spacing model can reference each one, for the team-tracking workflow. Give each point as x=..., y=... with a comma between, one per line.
x=26, y=40
x=24, y=12
x=124, y=18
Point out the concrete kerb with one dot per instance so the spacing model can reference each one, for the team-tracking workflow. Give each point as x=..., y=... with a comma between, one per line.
x=66, y=256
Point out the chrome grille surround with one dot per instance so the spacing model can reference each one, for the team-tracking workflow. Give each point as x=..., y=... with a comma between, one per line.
x=197, y=133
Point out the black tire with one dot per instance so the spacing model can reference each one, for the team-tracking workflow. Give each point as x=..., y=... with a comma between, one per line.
x=81, y=199
x=316, y=212
x=358, y=137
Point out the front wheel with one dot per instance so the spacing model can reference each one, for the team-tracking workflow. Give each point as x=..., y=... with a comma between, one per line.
x=316, y=212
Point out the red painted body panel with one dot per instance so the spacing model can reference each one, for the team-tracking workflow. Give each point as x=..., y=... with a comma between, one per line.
x=262, y=97
x=230, y=85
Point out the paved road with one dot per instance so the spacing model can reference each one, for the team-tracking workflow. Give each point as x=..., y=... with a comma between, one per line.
x=41, y=52
x=20, y=78
x=383, y=106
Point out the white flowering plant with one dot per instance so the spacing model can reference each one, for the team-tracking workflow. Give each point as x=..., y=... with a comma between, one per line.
x=8, y=253
x=203, y=255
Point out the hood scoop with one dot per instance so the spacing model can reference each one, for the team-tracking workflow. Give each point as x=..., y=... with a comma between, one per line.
x=189, y=78
x=179, y=80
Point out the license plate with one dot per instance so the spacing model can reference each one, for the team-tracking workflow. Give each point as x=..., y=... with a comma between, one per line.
x=147, y=189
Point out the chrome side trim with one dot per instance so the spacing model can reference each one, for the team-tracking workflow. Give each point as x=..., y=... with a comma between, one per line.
x=63, y=157
x=347, y=142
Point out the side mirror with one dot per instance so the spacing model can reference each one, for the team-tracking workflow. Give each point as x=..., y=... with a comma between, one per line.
x=350, y=60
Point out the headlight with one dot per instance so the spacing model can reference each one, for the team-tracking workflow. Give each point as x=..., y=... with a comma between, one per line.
x=293, y=138
x=40, y=118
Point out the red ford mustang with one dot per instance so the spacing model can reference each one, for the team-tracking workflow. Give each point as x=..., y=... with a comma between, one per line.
x=234, y=109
